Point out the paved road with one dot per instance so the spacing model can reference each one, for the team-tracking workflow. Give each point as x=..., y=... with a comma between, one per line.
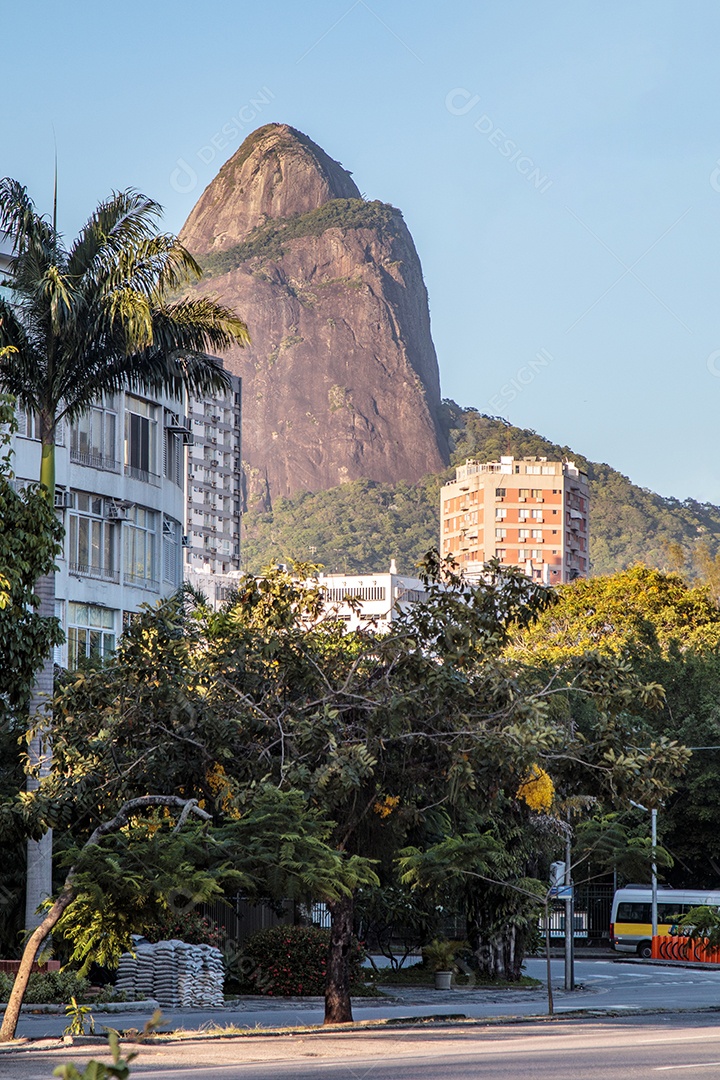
x=603, y=984
x=686, y=1048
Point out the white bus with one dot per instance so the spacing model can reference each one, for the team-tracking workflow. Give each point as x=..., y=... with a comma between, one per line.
x=631, y=917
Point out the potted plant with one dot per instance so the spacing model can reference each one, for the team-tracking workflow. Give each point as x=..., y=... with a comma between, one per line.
x=439, y=955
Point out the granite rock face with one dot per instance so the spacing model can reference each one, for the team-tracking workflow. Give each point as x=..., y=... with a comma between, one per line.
x=341, y=380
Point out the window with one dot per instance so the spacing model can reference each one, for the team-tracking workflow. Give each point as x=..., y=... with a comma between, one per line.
x=537, y=493
x=523, y=555
x=536, y=554
x=173, y=457
x=524, y=493
x=90, y=633
x=523, y=515
x=139, y=548
x=499, y=493
x=28, y=423
x=500, y=513
x=537, y=515
x=537, y=534
x=91, y=540
x=500, y=534
x=141, y=440
x=357, y=592
x=172, y=548
x=523, y=534
x=500, y=553
x=92, y=439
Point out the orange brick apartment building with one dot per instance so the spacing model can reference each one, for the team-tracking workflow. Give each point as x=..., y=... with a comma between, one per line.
x=528, y=512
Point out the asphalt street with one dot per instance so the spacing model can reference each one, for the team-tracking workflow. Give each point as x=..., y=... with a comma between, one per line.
x=602, y=984
x=686, y=1047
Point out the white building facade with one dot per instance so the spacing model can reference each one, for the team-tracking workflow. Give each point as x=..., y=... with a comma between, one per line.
x=120, y=485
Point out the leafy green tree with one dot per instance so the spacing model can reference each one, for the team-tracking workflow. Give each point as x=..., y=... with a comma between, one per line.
x=29, y=542
x=404, y=738
x=667, y=632
x=92, y=319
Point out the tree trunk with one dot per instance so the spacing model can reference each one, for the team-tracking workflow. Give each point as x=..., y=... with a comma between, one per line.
x=51, y=919
x=38, y=885
x=12, y=1012
x=338, y=1007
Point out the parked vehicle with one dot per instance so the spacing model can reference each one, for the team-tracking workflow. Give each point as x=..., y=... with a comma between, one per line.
x=631, y=917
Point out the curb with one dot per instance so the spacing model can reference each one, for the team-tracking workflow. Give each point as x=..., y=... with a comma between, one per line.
x=361, y=1027
x=102, y=1007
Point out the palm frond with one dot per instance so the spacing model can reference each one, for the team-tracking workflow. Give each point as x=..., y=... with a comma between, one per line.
x=18, y=217
x=119, y=224
x=95, y=319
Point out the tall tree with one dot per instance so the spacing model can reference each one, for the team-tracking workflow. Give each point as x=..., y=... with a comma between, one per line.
x=93, y=318
x=667, y=632
x=30, y=535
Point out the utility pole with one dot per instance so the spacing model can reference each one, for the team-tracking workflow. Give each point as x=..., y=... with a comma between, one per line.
x=653, y=819
x=569, y=914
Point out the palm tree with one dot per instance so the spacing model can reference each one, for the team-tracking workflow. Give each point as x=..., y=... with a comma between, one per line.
x=92, y=319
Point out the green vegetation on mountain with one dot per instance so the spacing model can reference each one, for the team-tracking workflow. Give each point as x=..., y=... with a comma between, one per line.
x=267, y=241
x=360, y=526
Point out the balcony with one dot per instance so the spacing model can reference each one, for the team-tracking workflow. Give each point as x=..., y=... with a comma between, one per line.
x=100, y=573
x=94, y=461
x=142, y=475
x=141, y=582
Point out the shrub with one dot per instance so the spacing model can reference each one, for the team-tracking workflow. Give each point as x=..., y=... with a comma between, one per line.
x=51, y=987
x=189, y=926
x=292, y=960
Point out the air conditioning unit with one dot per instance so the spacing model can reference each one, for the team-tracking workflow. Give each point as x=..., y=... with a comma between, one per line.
x=64, y=500
x=116, y=512
x=522, y=498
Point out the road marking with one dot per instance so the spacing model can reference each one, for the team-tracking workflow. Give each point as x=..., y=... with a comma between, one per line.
x=694, y=1065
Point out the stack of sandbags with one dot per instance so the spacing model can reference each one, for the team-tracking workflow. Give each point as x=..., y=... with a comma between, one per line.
x=165, y=974
x=145, y=971
x=127, y=975
x=212, y=976
x=174, y=973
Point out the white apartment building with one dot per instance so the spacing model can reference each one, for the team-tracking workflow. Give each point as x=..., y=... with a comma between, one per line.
x=120, y=491
x=214, y=483
x=377, y=599
x=362, y=601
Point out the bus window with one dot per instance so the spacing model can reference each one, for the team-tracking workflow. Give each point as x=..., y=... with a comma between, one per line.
x=634, y=912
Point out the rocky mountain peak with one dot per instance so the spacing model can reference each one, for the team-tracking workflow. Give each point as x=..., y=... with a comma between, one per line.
x=277, y=172
x=340, y=380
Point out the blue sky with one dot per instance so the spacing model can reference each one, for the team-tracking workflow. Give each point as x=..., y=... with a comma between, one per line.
x=558, y=165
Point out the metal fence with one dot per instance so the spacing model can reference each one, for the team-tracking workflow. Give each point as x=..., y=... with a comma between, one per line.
x=239, y=918
x=591, y=922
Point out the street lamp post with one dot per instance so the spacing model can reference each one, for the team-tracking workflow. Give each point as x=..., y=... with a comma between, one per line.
x=653, y=841
x=569, y=915
x=653, y=818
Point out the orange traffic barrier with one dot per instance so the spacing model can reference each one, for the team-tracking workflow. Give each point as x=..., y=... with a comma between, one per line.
x=673, y=947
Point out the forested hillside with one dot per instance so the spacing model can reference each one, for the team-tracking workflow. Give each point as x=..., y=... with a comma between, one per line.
x=360, y=526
